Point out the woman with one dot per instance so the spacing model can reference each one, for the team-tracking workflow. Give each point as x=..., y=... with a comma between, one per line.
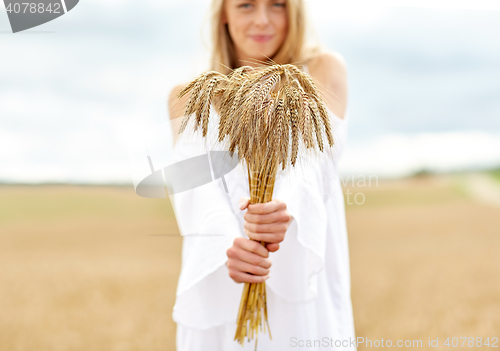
x=309, y=305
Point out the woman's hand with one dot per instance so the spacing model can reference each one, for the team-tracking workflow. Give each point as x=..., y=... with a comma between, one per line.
x=248, y=261
x=266, y=222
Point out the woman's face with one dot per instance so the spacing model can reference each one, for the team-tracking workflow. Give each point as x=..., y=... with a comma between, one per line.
x=257, y=27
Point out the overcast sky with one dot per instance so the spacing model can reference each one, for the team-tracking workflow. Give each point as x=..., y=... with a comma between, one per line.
x=83, y=95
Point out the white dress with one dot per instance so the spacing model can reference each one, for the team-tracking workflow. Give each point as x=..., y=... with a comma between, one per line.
x=308, y=292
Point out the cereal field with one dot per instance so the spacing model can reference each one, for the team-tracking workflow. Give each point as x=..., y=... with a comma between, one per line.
x=96, y=267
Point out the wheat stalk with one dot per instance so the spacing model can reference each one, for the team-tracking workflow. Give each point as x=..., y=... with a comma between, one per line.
x=264, y=114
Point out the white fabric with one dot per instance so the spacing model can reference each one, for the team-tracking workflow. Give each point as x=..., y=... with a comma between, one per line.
x=309, y=288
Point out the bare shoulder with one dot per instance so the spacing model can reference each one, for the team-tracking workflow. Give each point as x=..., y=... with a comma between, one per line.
x=329, y=70
x=328, y=60
x=175, y=104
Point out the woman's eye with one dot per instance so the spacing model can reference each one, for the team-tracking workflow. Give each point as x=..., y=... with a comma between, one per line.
x=279, y=4
x=245, y=6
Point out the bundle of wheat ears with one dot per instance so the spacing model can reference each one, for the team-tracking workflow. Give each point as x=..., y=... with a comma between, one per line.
x=265, y=113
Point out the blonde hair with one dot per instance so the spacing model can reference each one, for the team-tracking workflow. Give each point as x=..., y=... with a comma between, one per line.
x=295, y=48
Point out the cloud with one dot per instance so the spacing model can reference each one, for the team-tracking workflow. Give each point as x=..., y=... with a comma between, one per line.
x=445, y=4
x=72, y=101
x=398, y=155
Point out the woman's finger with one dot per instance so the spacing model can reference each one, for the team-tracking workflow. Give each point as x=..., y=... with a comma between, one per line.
x=267, y=207
x=244, y=201
x=272, y=247
x=273, y=217
x=252, y=247
x=251, y=258
x=247, y=267
x=267, y=237
x=279, y=227
x=241, y=277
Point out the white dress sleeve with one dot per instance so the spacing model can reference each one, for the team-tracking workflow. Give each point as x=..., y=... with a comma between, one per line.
x=206, y=295
x=302, y=253
x=306, y=189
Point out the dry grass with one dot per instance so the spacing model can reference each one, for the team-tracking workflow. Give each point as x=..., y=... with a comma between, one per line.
x=424, y=258
x=81, y=272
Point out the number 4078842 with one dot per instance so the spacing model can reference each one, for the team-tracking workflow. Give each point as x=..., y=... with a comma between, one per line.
x=33, y=7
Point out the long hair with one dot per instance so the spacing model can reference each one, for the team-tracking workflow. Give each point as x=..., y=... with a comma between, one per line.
x=296, y=47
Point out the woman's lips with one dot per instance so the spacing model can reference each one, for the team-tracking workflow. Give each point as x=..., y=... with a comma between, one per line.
x=261, y=38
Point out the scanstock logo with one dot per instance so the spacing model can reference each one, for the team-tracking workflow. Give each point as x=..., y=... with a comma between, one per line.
x=25, y=15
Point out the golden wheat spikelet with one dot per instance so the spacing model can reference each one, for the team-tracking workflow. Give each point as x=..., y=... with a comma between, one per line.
x=307, y=127
x=325, y=118
x=224, y=105
x=316, y=122
x=274, y=79
x=207, y=97
x=294, y=123
x=191, y=102
x=253, y=127
x=243, y=146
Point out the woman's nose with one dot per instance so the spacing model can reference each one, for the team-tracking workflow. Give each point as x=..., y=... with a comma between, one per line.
x=261, y=16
